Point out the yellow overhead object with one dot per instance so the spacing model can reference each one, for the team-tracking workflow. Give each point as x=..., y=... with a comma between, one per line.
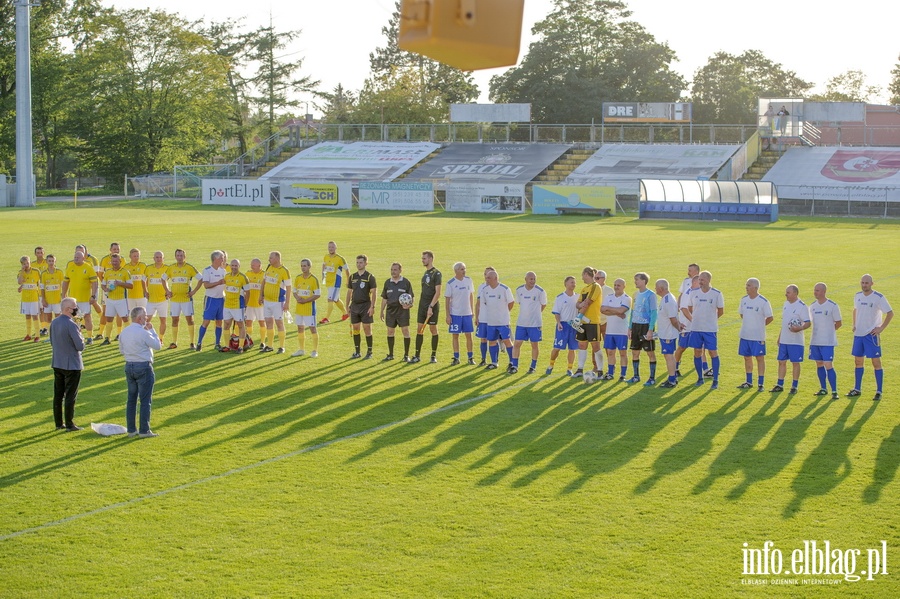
x=466, y=34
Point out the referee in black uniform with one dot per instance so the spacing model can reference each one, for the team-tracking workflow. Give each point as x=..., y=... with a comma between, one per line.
x=361, y=292
x=429, y=306
x=397, y=315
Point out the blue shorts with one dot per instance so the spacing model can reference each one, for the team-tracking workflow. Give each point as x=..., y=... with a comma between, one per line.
x=791, y=352
x=495, y=333
x=704, y=340
x=614, y=342
x=213, y=308
x=461, y=324
x=868, y=346
x=821, y=353
x=481, y=331
x=667, y=346
x=751, y=348
x=565, y=339
x=532, y=334
x=684, y=340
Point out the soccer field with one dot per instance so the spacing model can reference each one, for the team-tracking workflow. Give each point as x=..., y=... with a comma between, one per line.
x=294, y=477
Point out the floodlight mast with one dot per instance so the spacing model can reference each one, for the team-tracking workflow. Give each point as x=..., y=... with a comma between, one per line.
x=24, y=144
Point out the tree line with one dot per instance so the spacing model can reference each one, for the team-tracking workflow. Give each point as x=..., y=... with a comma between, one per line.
x=137, y=92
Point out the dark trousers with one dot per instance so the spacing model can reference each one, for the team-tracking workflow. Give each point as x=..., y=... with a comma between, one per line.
x=65, y=390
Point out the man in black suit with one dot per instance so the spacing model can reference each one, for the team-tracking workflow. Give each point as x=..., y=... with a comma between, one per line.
x=67, y=343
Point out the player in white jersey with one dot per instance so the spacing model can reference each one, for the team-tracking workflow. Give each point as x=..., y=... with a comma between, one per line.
x=684, y=319
x=794, y=320
x=481, y=326
x=459, y=303
x=213, y=280
x=532, y=300
x=668, y=327
x=494, y=304
x=756, y=314
x=616, y=308
x=693, y=272
x=825, y=316
x=564, y=310
x=871, y=315
x=707, y=305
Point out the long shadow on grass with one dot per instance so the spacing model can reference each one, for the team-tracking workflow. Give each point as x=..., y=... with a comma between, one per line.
x=829, y=463
x=62, y=461
x=887, y=462
x=758, y=465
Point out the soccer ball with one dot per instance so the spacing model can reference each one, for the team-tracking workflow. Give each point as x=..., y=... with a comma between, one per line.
x=111, y=285
x=589, y=377
x=406, y=300
x=795, y=322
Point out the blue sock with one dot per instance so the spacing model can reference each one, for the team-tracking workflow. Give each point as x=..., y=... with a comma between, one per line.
x=716, y=364
x=761, y=379
x=534, y=363
x=623, y=370
x=750, y=378
x=672, y=379
x=469, y=354
x=514, y=362
x=820, y=370
x=832, y=379
x=677, y=366
x=700, y=367
x=859, y=375
x=879, y=378
x=611, y=369
x=795, y=383
x=456, y=355
x=636, y=365
x=652, y=370
x=494, y=350
x=780, y=383
x=201, y=335
x=705, y=366
x=218, y=335
x=509, y=355
x=484, y=349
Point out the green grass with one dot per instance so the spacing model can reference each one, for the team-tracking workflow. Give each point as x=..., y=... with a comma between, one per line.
x=275, y=476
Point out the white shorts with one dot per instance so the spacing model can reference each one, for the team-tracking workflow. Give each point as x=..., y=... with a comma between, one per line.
x=179, y=308
x=30, y=308
x=116, y=308
x=273, y=310
x=333, y=294
x=235, y=314
x=160, y=309
x=84, y=308
x=135, y=302
x=53, y=309
x=305, y=321
x=254, y=314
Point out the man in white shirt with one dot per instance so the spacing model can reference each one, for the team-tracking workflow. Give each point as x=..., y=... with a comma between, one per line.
x=532, y=300
x=707, y=304
x=616, y=307
x=684, y=318
x=756, y=315
x=459, y=293
x=137, y=343
x=494, y=304
x=871, y=315
x=794, y=320
x=826, y=320
x=481, y=326
x=212, y=279
x=564, y=310
x=668, y=327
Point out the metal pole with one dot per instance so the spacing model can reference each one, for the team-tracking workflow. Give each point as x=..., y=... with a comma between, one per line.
x=24, y=157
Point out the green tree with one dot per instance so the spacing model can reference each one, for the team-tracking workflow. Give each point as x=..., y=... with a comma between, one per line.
x=232, y=46
x=275, y=81
x=338, y=106
x=728, y=87
x=894, y=86
x=399, y=97
x=847, y=87
x=588, y=52
x=152, y=93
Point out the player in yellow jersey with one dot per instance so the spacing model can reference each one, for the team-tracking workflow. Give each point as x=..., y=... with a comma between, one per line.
x=158, y=291
x=137, y=295
x=51, y=288
x=116, y=284
x=80, y=283
x=104, y=265
x=306, y=292
x=587, y=321
x=29, y=280
x=90, y=259
x=180, y=304
x=334, y=271
x=237, y=292
x=254, y=310
x=277, y=278
x=40, y=264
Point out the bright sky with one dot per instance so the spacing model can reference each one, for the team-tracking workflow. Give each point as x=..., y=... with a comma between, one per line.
x=803, y=36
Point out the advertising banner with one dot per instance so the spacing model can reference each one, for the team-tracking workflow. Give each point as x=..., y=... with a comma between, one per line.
x=646, y=112
x=490, y=113
x=235, y=192
x=357, y=161
x=546, y=198
x=396, y=196
x=306, y=194
x=825, y=173
x=485, y=197
x=499, y=163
